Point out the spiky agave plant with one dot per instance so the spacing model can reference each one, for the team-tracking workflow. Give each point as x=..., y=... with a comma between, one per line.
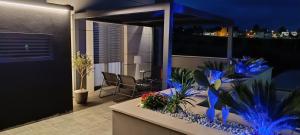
x=248, y=65
x=227, y=69
x=179, y=97
x=213, y=65
x=260, y=107
x=182, y=81
x=183, y=76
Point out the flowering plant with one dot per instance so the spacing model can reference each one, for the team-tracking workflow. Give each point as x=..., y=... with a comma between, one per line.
x=153, y=101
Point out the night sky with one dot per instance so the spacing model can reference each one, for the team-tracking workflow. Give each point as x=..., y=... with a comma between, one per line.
x=245, y=13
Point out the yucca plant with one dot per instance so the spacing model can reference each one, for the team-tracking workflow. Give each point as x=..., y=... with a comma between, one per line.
x=260, y=107
x=179, y=97
x=183, y=76
x=227, y=69
x=182, y=81
x=213, y=65
x=249, y=65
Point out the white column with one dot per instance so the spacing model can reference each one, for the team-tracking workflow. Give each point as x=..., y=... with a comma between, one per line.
x=229, y=43
x=73, y=49
x=79, y=45
x=167, y=45
x=90, y=79
x=125, y=50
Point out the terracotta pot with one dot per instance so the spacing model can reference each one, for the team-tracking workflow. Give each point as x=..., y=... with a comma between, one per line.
x=81, y=96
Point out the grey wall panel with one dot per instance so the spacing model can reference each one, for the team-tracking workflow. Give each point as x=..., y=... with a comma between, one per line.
x=140, y=43
x=32, y=90
x=108, y=42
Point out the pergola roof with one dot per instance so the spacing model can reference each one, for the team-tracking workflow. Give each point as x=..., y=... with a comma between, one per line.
x=153, y=15
x=162, y=14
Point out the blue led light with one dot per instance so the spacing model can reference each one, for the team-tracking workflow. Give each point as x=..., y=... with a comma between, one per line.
x=225, y=114
x=212, y=100
x=259, y=118
x=242, y=66
x=214, y=75
x=178, y=9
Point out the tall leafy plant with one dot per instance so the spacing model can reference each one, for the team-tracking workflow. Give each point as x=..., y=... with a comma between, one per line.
x=260, y=107
x=83, y=66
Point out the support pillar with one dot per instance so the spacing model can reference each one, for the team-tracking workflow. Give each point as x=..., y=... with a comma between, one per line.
x=125, y=50
x=90, y=78
x=167, y=45
x=79, y=44
x=229, y=43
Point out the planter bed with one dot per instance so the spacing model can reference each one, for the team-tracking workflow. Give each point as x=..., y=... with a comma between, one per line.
x=129, y=118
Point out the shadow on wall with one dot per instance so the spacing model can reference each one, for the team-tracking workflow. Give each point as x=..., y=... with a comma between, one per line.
x=140, y=43
x=32, y=90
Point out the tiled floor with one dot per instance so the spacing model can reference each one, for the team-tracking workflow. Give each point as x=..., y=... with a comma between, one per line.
x=93, y=99
x=95, y=118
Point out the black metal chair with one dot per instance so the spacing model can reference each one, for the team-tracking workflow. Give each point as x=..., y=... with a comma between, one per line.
x=127, y=83
x=110, y=79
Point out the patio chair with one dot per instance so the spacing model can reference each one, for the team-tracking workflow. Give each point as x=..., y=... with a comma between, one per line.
x=127, y=83
x=109, y=79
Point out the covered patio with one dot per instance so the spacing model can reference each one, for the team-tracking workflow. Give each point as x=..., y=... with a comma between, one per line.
x=41, y=40
x=162, y=18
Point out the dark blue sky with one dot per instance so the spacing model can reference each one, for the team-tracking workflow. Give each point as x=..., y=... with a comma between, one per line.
x=267, y=13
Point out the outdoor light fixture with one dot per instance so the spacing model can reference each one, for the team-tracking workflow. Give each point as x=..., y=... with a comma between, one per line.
x=34, y=7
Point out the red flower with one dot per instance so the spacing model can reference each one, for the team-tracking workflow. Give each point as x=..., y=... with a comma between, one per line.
x=147, y=95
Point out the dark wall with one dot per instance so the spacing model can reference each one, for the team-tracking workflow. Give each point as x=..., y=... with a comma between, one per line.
x=37, y=89
x=187, y=44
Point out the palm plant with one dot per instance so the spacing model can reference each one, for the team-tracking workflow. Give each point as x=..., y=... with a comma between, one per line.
x=260, y=107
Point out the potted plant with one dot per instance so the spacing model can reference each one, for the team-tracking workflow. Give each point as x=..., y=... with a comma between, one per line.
x=83, y=66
